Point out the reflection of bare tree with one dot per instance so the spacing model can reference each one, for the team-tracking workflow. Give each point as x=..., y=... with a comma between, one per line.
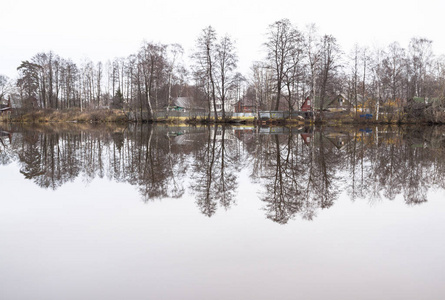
x=326, y=164
x=226, y=184
x=397, y=162
x=300, y=179
x=282, y=187
x=176, y=186
x=46, y=161
x=301, y=172
x=153, y=166
x=5, y=145
x=204, y=185
x=214, y=179
x=152, y=172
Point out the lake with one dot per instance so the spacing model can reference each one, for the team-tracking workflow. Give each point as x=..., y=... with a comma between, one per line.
x=177, y=212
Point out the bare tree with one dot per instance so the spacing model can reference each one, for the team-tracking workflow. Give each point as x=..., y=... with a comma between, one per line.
x=204, y=57
x=99, y=72
x=282, y=50
x=329, y=64
x=393, y=74
x=226, y=61
x=420, y=55
x=175, y=51
x=313, y=50
x=262, y=84
x=152, y=60
x=377, y=75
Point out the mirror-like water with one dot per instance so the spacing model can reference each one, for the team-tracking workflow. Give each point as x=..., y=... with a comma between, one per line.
x=158, y=212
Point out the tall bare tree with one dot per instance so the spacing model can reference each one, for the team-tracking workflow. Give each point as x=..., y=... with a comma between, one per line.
x=421, y=56
x=282, y=41
x=226, y=62
x=204, y=57
x=152, y=58
x=329, y=64
x=313, y=51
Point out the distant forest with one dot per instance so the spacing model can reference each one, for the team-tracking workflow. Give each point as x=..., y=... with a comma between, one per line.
x=297, y=64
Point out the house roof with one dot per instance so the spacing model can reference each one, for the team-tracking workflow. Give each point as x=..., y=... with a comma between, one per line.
x=184, y=102
x=360, y=99
x=5, y=104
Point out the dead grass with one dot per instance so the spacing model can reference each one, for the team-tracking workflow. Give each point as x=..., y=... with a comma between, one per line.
x=74, y=115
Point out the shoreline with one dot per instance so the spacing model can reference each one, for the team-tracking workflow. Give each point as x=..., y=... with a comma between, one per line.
x=119, y=116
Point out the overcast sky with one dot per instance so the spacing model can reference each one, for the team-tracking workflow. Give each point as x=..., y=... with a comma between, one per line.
x=103, y=30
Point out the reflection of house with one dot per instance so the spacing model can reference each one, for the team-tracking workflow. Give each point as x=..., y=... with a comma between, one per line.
x=274, y=130
x=5, y=134
x=229, y=134
x=339, y=140
x=307, y=138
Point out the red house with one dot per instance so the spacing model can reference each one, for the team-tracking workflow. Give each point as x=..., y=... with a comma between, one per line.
x=307, y=105
x=244, y=106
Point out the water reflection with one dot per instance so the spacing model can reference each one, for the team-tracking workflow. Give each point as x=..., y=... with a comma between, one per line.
x=214, y=169
x=300, y=170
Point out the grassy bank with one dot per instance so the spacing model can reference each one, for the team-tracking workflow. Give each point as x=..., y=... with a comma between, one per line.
x=74, y=115
x=102, y=116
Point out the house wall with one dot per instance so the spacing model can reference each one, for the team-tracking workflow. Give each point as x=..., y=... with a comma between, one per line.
x=306, y=105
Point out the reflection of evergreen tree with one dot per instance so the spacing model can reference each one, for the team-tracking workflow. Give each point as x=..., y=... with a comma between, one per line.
x=47, y=162
x=31, y=158
x=5, y=149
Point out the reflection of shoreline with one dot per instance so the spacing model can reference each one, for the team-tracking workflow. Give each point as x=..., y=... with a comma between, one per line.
x=298, y=167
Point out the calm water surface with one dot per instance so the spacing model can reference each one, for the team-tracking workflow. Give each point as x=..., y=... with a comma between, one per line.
x=142, y=212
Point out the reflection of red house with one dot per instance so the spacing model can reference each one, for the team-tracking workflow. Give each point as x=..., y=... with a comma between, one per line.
x=5, y=134
x=307, y=137
x=307, y=106
x=244, y=106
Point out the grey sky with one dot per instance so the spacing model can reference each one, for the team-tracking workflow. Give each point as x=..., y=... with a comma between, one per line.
x=103, y=30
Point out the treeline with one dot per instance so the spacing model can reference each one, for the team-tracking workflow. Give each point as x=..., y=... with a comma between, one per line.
x=138, y=81
x=298, y=63
x=304, y=64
